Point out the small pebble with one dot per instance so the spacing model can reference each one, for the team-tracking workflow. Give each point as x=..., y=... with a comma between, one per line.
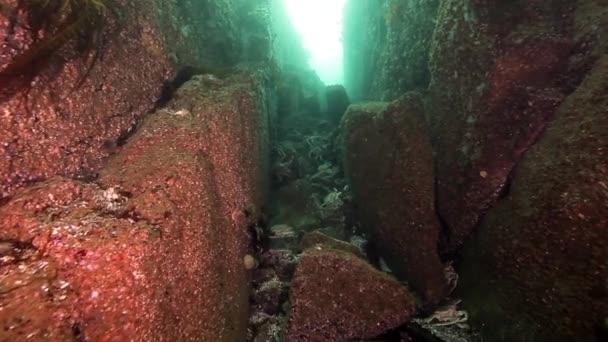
x=250, y=262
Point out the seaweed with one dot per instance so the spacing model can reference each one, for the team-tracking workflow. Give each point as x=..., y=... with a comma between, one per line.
x=52, y=25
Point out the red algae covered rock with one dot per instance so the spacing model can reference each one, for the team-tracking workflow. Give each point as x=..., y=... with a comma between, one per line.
x=388, y=162
x=200, y=167
x=78, y=272
x=499, y=71
x=336, y=296
x=540, y=257
x=282, y=261
x=317, y=239
x=155, y=250
x=74, y=116
x=57, y=129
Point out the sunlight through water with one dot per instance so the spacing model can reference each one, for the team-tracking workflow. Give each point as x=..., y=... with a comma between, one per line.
x=319, y=23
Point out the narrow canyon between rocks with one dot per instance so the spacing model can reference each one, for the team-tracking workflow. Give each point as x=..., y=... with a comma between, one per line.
x=304, y=171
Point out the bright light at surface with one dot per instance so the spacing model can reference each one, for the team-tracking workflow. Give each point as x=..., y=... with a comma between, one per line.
x=319, y=22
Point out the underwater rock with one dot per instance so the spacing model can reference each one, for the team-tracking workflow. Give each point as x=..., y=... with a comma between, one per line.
x=85, y=271
x=300, y=96
x=282, y=261
x=498, y=74
x=318, y=240
x=270, y=331
x=336, y=296
x=388, y=162
x=294, y=206
x=544, y=247
x=282, y=237
x=169, y=264
x=386, y=47
x=211, y=191
x=82, y=105
x=336, y=232
x=267, y=296
x=54, y=135
x=337, y=102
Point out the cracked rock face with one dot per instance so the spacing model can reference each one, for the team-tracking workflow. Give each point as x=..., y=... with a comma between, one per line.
x=57, y=129
x=336, y=296
x=388, y=161
x=544, y=247
x=158, y=242
x=61, y=129
x=516, y=111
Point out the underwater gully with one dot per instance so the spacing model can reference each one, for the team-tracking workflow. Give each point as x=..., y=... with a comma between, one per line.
x=304, y=171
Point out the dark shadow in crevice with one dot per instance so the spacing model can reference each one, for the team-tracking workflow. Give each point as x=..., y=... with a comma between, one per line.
x=183, y=75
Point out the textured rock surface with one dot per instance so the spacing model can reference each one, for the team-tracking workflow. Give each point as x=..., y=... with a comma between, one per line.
x=161, y=249
x=545, y=247
x=336, y=296
x=386, y=45
x=388, y=161
x=316, y=239
x=516, y=94
x=499, y=71
x=70, y=132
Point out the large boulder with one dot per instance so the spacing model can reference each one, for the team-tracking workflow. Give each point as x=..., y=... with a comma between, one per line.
x=336, y=296
x=316, y=239
x=389, y=165
x=79, y=106
x=155, y=249
x=499, y=71
x=540, y=257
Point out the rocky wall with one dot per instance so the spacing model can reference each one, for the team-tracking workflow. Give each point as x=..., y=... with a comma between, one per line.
x=388, y=163
x=498, y=74
x=541, y=254
x=159, y=242
x=516, y=109
x=386, y=45
x=81, y=105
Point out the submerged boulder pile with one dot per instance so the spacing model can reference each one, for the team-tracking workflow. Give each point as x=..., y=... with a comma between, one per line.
x=513, y=177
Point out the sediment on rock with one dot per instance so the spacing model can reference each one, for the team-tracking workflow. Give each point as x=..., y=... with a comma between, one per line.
x=338, y=296
x=388, y=161
x=557, y=202
x=163, y=232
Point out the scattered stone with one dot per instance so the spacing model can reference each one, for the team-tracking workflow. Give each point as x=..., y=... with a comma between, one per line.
x=250, y=262
x=262, y=275
x=358, y=241
x=267, y=297
x=448, y=323
x=336, y=232
x=282, y=237
x=318, y=240
x=336, y=296
x=258, y=318
x=282, y=261
x=389, y=165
